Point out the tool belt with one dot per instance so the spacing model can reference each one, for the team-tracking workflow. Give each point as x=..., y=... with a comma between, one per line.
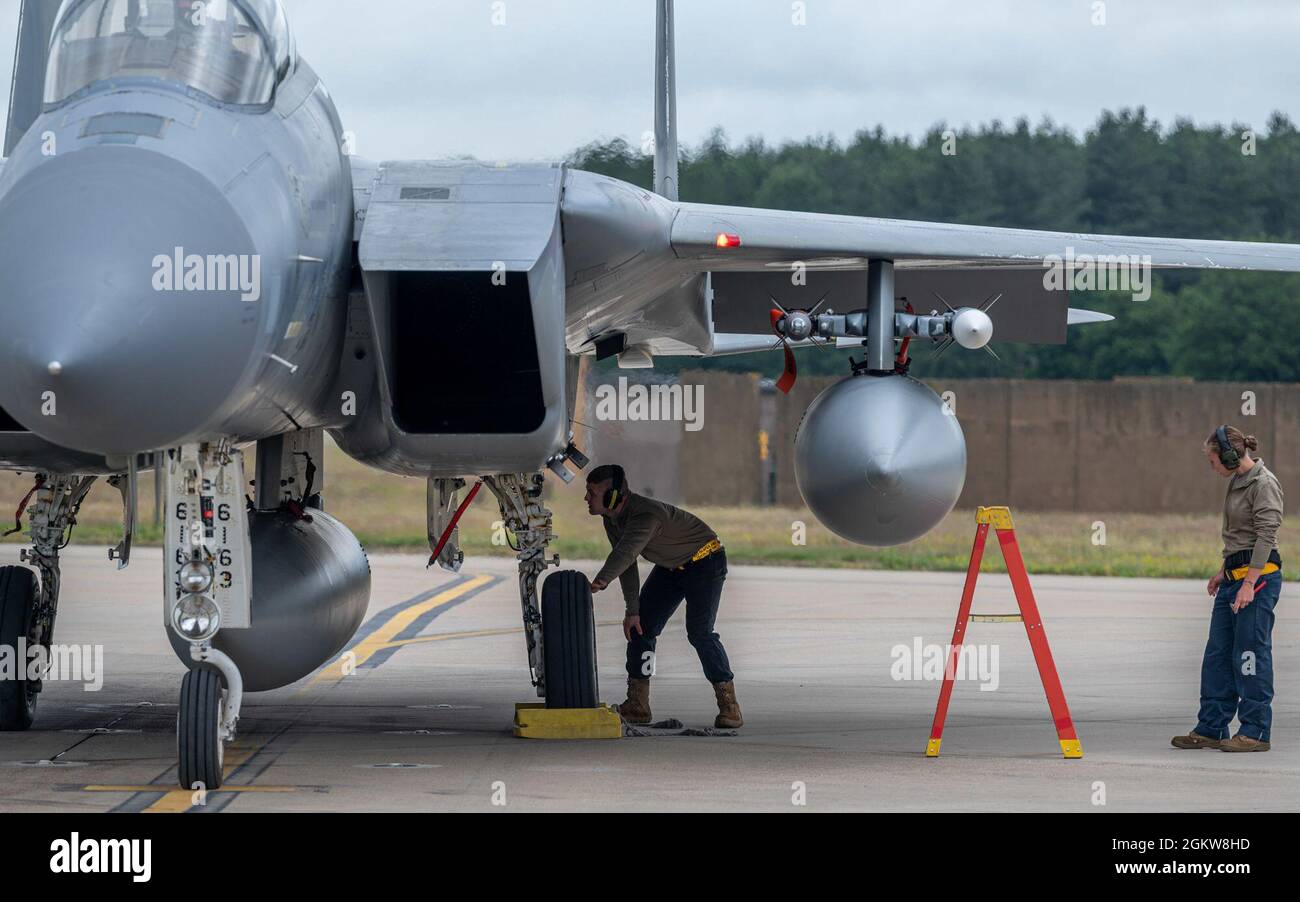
x=1237, y=564
x=704, y=552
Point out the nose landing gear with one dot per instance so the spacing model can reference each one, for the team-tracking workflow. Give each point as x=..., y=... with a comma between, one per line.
x=208, y=559
x=205, y=722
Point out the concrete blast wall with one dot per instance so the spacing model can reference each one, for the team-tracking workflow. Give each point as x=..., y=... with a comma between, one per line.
x=1121, y=446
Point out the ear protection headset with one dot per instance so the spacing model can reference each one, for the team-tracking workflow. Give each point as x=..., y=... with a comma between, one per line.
x=1228, y=455
x=617, y=490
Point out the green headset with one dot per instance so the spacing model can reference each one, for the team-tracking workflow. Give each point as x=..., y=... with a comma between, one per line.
x=616, y=491
x=1228, y=455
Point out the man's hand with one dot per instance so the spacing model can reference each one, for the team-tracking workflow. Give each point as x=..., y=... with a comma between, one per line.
x=598, y=584
x=1245, y=595
x=632, y=623
x=1215, y=581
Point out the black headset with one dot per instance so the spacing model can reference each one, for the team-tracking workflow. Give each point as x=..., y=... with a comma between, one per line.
x=1228, y=455
x=616, y=491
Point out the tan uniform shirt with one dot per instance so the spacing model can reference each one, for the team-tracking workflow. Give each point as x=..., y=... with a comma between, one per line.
x=1252, y=513
x=662, y=534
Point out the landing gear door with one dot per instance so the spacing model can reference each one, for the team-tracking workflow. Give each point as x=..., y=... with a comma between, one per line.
x=204, y=510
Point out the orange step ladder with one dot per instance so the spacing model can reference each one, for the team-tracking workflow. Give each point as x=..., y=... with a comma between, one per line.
x=1000, y=519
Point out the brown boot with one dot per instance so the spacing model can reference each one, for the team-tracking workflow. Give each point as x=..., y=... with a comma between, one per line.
x=1194, y=740
x=728, y=708
x=637, y=707
x=1243, y=743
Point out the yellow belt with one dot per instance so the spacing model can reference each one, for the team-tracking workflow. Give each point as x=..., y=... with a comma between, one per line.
x=1240, y=572
x=704, y=552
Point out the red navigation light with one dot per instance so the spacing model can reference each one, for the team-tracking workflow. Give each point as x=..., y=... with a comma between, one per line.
x=728, y=240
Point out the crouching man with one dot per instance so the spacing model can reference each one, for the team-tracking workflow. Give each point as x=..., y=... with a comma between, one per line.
x=690, y=563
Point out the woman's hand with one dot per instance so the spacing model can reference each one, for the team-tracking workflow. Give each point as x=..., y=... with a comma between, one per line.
x=1245, y=595
x=632, y=622
x=1215, y=581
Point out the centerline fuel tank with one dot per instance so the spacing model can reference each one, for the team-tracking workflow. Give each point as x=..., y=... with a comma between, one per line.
x=311, y=588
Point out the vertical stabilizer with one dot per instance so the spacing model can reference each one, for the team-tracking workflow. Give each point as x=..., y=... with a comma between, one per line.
x=665, y=174
x=27, y=93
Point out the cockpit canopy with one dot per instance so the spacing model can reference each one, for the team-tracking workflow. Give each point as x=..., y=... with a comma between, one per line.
x=233, y=51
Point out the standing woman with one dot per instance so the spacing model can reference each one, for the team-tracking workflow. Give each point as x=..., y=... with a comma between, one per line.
x=1237, y=673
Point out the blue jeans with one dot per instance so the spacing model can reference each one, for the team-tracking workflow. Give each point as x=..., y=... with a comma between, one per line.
x=1237, y=673
x=700, y=584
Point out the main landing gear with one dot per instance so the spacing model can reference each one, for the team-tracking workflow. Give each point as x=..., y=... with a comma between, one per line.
x=28, y=605
x=561, y=633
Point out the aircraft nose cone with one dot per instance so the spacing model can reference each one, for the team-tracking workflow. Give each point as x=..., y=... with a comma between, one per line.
x=106, y=346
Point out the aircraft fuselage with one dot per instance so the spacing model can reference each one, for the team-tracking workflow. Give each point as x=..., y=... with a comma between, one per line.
x=174, y=269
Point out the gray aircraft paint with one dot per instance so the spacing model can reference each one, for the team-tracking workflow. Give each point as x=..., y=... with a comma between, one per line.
x=665, y=166
x=81, y=228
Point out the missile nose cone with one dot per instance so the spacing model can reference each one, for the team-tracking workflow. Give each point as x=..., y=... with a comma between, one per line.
x=972, y=328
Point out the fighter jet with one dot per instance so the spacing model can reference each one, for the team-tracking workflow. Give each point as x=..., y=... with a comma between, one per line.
x=196, y=273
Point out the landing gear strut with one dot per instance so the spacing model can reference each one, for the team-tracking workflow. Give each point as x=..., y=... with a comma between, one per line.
x=561, y=633
x=524, y=514
x=208, y=562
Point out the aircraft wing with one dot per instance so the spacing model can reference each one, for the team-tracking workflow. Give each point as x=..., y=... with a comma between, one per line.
x=776, y=238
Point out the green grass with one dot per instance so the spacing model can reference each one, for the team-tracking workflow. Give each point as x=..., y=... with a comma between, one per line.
x=387, y=513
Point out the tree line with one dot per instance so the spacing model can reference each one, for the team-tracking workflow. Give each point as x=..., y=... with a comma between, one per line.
x=1128, y=174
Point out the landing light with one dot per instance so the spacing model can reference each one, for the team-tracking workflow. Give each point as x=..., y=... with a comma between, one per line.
x=196, y=617
x=196, y=576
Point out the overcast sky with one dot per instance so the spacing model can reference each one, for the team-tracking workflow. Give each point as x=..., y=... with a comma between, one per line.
x=431, y=78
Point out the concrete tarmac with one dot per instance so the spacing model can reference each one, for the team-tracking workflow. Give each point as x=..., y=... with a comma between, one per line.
x=424, y=724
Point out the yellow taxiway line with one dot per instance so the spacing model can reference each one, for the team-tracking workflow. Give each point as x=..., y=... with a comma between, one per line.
x=177, y=800
x=384, y=636
x=472, y=634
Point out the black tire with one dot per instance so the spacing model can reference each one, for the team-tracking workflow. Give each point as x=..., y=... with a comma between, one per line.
x=18, y=593
x=569, y=641
x=198, y=743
